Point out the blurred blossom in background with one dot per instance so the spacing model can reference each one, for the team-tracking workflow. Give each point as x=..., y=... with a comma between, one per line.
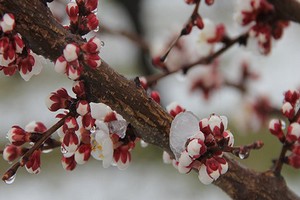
x=148, y=177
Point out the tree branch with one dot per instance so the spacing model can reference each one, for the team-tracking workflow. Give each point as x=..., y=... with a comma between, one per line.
x=287, y=9
x=48, y=38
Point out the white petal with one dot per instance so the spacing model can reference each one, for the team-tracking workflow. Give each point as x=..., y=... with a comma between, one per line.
x=99, y=110
x=224, y=168
x=215, y=174
x=79, y=158
x=166, y=158
x=185, y=159
x=203, y=176
x=225, y=121
x=183, y=169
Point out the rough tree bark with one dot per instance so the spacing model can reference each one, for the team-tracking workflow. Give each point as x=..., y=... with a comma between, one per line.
x=48, y=38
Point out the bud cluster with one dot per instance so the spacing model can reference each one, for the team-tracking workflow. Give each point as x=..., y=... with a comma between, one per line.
x=70, y=63
x=266, y=24
x=90, y=129
x=291, y=139
x=82, y=15
x=19, y=140
x=207, y=79
x=200, y=145
x=14, y=55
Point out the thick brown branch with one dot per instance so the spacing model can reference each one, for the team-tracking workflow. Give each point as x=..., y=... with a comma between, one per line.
x=48, y=38
x=287, y=9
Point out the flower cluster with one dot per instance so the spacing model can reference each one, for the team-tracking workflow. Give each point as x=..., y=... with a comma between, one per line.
x=19, y=138
x=200, y=144
x=291, y=139
x=82, y=14
x=70, y=63
x=90, y=129
x=260, y=14
x=14, y=55
x=207, y=79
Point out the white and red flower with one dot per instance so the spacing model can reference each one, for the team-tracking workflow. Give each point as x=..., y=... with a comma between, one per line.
x=33, y=165
x=293, y=132
x=102, y=145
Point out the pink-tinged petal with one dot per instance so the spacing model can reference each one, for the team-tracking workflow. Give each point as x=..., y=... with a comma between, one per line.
x=292, y=96
x=60, y=65
x=92, y=21
x=83, y=154
x=82, y=107
x=4, y=43
x=34, y=163
x=166, y=158
x=18, y=43
x=79, y=89
x=294, y=161
x=293, y=132
x=71, y=123
x=174, y=108
x=144, y=144
x=203, y=176
x=196, y=148
x=71, y=52
x=68, y=163
x=7, y=57
x=215, y=124
x=204, y=126
x=17, y=136
x=73, y=71
x=72, y=11
x=87, y=121
x=183, y=169
x=34, y=126
x=124, y=161
x=229, y=136
x=288, y=110
x=7, y=23
x=275, y=127
x=185, y=159
x=99, y=110
x=92, y=46
x=11, y=152
x=70, y=144
x=91, y=5
x=155, y=96
x=224, y=168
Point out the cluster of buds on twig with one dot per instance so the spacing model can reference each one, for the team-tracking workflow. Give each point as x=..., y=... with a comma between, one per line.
x=83, y=18
x=207, y=79
x=14, y=54
x=200, y=145
x=260, y=14
x=90, y=129
x=290, y=139
x=74, y=57
x=21, y=141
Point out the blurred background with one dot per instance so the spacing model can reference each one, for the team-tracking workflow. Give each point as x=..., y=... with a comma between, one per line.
x=156, y=21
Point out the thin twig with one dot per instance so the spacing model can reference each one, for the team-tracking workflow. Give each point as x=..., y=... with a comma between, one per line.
x=204, y=61
x=46, y=135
